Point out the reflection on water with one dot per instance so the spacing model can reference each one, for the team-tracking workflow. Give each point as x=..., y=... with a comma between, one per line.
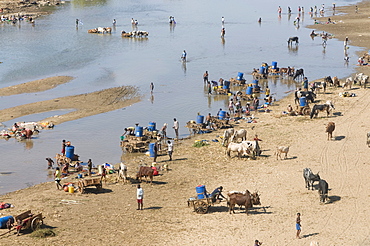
x=28, y=144
x=293, y=48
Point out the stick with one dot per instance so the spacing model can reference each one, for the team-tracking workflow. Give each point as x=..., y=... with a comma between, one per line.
x=8, y=231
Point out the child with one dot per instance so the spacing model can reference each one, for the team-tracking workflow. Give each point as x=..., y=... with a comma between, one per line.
x=57, y=175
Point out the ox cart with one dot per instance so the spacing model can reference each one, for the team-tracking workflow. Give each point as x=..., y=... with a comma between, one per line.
x=201, y=206
x=28, y=220
x=135, y=144
x=303, y=110
x=83, y=183
x=196, y=127
x=220, y=123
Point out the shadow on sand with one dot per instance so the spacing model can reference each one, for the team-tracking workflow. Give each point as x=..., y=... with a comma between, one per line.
x=333, y=199
x=338, y=138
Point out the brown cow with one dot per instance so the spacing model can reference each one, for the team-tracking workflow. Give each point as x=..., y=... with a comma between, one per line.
x=330, y=128
x=145, y=172
x=243, y=199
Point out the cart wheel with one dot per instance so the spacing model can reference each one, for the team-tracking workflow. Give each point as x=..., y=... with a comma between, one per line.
x=130, y=149
x=36, y=223
x=201, y=207
x=306, y=111
x=80, y=187
x=99, y=187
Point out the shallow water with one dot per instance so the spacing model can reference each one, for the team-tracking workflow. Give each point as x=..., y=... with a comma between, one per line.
x=54, y=46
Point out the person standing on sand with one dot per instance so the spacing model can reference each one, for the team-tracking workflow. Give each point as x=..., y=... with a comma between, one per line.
x=139, y=197
x=170, y=149
x=298, y=225
x=57, y=176
x=176, y=127
x=164, y=130
x=89, y=166
x=104, y=174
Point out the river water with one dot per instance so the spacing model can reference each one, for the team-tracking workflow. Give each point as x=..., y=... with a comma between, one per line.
x=54, y=46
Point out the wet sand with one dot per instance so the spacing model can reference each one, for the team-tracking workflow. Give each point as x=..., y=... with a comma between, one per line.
x=110, y=217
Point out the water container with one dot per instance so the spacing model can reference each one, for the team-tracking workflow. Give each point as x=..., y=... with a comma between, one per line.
x=3, y=221
x=274, y=65
x=302, y=101
x=70, y=152
x=227, y=83
x=200, y=119
x=225, y=87
x=152, y=126
x=139, y=131
x=151, y=149
x=249, y=90
x=255, y=82
x=201, y=191
x=79, y=175
x=222, y=115
x=240, y=76
x=262, y=70
x=71, y=189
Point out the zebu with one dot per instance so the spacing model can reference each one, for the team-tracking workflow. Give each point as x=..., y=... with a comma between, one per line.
x=252, y=147
x=282, y=150
x=299, y=73
x=240, y=148
x=362, y=79
x=348, y=83
x=329, y=129
x=242, y=133
x=327, y=107
x=323, y=190
x=243, y=199
x=227, y=136
x=309, y=177
x=293, y=39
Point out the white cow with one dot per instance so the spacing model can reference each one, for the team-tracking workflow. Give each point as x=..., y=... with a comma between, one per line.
x=227, y=136
x=282, y=150
x=253, y=147
x=241, y=148
x=242, y=133
x=348, y=83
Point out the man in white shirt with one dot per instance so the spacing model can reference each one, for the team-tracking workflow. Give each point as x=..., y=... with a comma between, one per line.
x=176, y=127
x=139, y=197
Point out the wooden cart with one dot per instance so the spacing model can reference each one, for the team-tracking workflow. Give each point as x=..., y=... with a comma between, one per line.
x=135, y=144
x=304, y=110
x=201, y=206
x=196, y=128
x=28, y=220
x=83, y=183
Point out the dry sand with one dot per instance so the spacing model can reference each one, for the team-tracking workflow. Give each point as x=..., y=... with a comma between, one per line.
x=111, y=218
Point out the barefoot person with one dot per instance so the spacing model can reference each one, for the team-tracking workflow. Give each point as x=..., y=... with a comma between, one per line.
x=139, y=197
x=57, y=176
x=50, y=162
x=298, y=225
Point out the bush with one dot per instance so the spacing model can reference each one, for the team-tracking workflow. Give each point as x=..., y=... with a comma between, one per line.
x=199, y=144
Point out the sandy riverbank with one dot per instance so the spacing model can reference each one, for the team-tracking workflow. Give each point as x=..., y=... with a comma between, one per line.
x=82, y=105
x=110, y=217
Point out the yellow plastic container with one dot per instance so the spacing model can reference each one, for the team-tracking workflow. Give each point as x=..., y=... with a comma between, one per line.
x=71, y=189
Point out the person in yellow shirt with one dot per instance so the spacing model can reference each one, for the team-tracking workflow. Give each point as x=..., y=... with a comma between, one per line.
x=57, y=176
